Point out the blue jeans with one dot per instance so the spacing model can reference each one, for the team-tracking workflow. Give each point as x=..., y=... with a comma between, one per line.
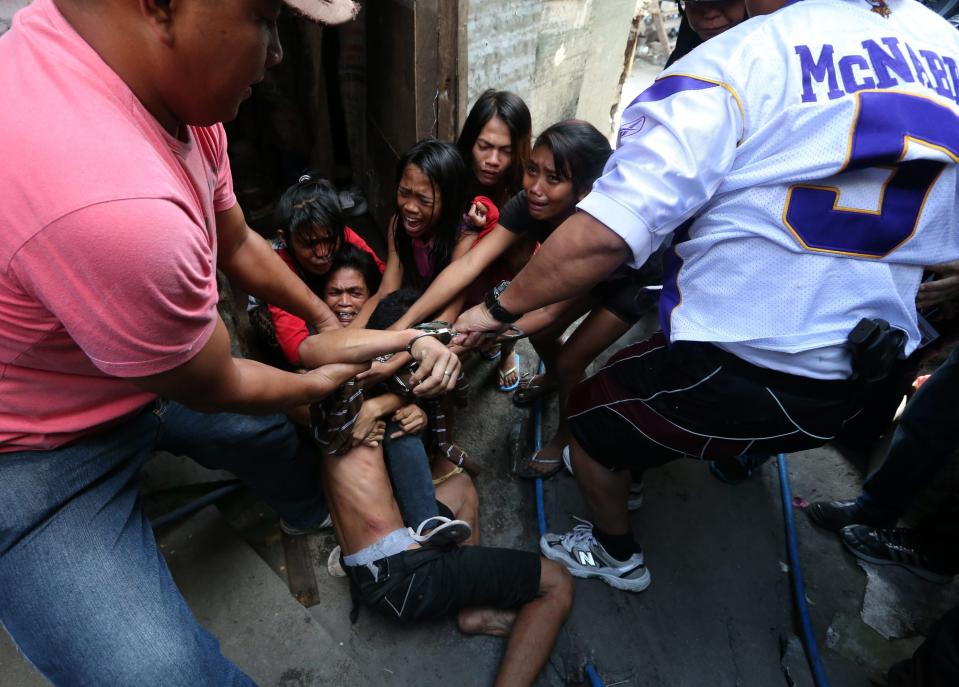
x=84, y=592
x=410, y=474
x=926, y=437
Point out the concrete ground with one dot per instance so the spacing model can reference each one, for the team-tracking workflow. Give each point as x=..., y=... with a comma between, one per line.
x=719, y=610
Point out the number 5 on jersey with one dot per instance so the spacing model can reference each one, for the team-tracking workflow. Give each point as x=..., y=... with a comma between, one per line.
x=885, y=124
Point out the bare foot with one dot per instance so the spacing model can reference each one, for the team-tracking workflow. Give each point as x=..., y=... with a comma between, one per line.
x=508, y=371
x=485, y=621
x=551, y=451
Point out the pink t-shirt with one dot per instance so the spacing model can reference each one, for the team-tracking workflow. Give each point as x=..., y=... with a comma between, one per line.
x=108, y=246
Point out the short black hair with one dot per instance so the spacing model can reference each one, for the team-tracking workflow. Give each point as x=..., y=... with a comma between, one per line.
x=579, y=150
x=353, y=258
x=312, y=201
x=393, y=307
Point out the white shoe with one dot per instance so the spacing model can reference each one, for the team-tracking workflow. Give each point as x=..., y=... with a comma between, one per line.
x=333, y=564
x=585, y=557
x=635, y=499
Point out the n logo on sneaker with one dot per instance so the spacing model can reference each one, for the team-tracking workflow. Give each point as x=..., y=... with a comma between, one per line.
x=586, y=558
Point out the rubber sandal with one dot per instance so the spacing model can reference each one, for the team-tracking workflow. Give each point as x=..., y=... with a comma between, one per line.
x=502, y=386
x=528, y=391
x=526, y=472
x=447, y=532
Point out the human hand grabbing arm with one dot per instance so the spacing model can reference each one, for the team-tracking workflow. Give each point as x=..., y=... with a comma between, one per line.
x=438, y=367
x=940, y=290
x=411, y=419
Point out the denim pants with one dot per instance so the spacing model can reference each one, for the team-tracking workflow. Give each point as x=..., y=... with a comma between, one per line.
x=410, y=474
x=84, y=591
x=926, y=437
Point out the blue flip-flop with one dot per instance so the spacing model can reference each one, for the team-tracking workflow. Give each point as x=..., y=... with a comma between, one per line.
x=502, y=375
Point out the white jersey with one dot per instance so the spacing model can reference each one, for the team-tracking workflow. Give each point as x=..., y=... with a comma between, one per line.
x=806, y=161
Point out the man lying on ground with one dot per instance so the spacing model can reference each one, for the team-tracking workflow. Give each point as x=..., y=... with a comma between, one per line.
x=501, y=592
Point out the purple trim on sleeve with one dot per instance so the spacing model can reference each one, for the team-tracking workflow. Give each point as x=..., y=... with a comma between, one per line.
x=666, y=86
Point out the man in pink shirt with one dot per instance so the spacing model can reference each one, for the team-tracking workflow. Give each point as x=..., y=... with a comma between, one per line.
x=116, y=208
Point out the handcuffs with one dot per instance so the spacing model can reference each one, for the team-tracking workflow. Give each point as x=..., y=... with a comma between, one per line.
x=444, y=332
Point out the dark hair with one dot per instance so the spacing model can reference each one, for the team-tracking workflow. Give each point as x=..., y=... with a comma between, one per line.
x=579, y=150
x=513, y=111
x=393, y=307
x=353, y=258
x=310, y=202
x=443, y=166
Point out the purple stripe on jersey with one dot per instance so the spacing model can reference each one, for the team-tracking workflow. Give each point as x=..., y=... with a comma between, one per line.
x=670, y=297
x=666, y=86
x=661, y=89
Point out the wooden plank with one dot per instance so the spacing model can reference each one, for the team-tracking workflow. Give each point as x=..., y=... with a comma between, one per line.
x=299, y=569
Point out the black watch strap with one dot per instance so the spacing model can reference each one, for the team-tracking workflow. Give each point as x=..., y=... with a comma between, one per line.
x=497, y=311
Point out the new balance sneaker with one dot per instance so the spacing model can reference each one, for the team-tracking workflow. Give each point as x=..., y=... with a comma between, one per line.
x=892, y=547
x=579, y=551
x=635, y=499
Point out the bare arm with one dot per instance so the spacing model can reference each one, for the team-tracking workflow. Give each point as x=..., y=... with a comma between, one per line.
x=438, y=366
x=215, y=381
x=455, y=306
x=250, y=263
x=458, y=275
x=580, y=253
x=393, y=275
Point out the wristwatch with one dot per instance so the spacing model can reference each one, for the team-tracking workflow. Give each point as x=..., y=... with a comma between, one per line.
x=438, y=330
x=497, y=311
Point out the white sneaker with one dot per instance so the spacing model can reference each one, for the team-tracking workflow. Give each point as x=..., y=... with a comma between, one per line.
x=579, y=551
x=635, y=499
x=333, y=565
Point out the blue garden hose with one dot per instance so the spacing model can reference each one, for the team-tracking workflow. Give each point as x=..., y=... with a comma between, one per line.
x=591, y=674
x=193, y=506
x=594, y=679
x=799, y=587
x=537, y=445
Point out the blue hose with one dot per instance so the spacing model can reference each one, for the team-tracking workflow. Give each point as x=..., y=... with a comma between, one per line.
x=195, y=505
x=799, y=587
x=594, y=679
x=537, y=445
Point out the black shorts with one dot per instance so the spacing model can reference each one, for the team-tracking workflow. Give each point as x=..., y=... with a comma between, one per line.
x=653, y=403
x=625, y=294
x=427, y=583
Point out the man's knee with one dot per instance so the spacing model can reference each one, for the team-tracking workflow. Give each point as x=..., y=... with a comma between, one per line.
x=556, y=584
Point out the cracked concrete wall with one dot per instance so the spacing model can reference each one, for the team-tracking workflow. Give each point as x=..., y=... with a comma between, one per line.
x=563, y=57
